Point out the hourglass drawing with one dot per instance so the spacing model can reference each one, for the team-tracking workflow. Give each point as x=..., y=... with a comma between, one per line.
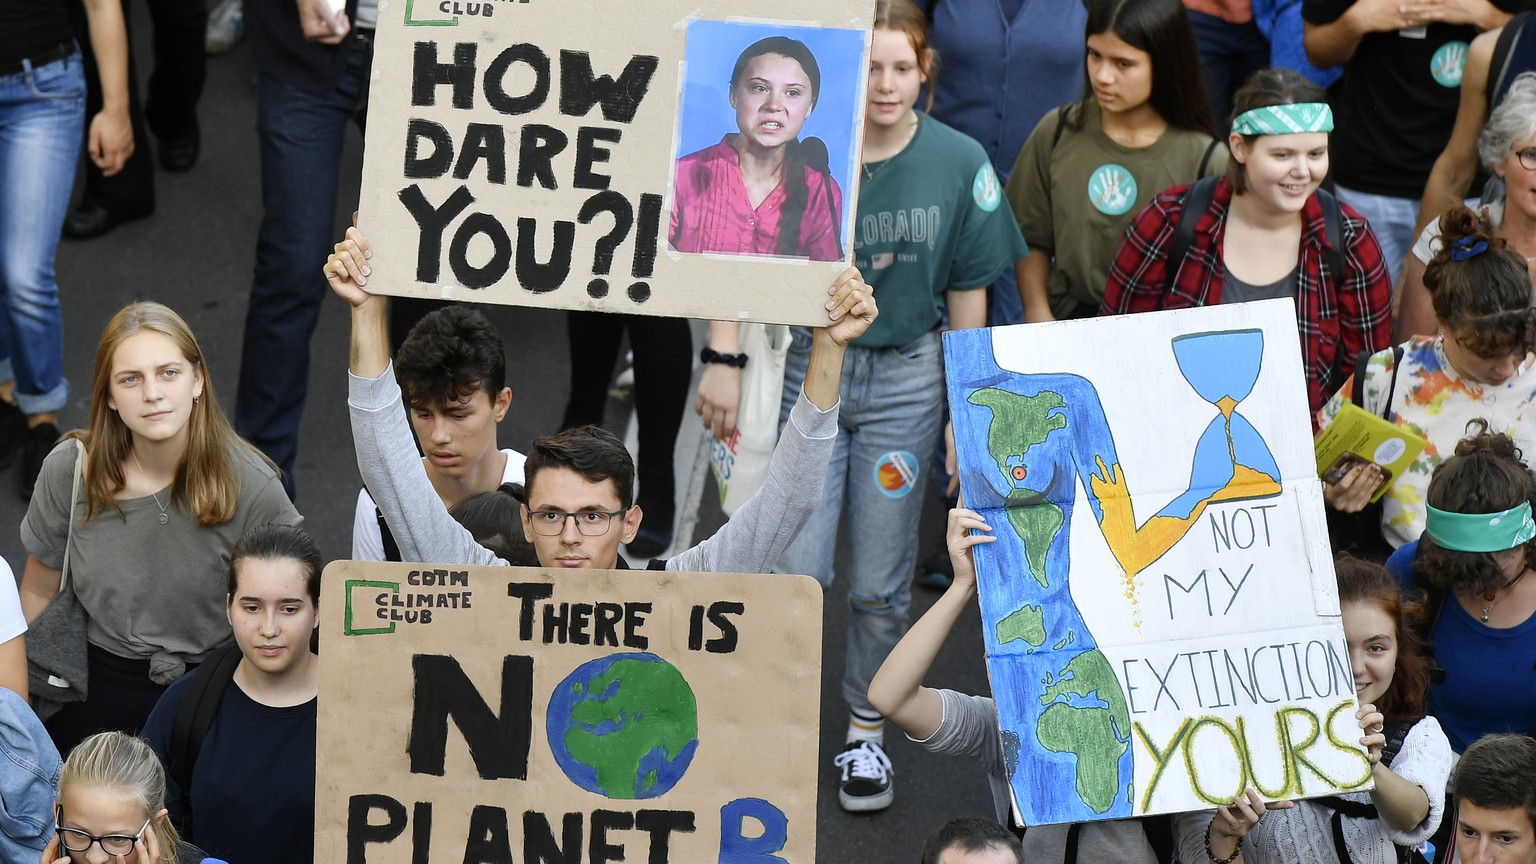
x=1231, y=460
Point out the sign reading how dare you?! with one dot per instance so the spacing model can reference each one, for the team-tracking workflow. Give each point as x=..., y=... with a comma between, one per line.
x=497, y=714
x=661, y=158
x=1160, y=613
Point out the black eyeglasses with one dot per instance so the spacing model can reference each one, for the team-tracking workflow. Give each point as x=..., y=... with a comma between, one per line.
x=116, y=845
x=1527, y=158
x=591, y=523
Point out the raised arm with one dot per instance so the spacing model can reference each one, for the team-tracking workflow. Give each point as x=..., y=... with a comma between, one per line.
x=386, y=455
x=896, y=690
x=1451, y=178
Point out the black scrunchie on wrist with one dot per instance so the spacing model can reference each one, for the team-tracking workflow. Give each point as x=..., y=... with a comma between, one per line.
x=709, y=355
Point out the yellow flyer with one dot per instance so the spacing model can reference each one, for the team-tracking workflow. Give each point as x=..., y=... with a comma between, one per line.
x=1358, y=437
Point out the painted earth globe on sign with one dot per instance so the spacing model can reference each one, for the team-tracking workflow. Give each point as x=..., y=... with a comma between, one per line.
x=624, y=726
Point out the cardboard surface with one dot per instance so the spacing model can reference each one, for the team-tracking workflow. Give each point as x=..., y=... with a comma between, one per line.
x=500, y=714
x=1160, y=612
x=523, y=152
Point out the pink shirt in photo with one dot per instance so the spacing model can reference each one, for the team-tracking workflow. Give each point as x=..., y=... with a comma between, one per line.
x=711, y=212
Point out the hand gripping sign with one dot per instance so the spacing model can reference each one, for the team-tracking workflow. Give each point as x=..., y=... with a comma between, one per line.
x=518, y=714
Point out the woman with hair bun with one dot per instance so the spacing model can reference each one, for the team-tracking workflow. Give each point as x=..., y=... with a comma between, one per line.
x=166, y=489
x=1474, y=560
x=1478, y=367
x=756, y=193
x=1263, y=234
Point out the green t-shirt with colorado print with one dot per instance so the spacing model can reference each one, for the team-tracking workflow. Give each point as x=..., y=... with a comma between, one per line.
x=931, y=219
x=1075, y=195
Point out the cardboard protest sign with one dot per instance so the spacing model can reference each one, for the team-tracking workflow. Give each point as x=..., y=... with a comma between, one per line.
x=666, y=158
x=1160, y=612
x=517, y=714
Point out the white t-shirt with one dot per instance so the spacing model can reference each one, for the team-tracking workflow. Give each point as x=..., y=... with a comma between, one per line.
x=1429, y=239
x=368, y=544
x=12, y=622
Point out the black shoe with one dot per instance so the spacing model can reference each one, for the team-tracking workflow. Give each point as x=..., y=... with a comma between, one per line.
x=179, y=153
x=36, y=446
x=13, y=424
x=93, y=220
x=866, y=782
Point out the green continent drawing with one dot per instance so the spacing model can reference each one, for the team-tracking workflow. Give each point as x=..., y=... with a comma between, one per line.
x=1018, y=423
x=1027, y=624
x=624, y=726
x=1085, y=731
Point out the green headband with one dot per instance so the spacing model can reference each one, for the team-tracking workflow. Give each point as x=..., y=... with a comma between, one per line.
x=1285, y=119
x=1481, y=532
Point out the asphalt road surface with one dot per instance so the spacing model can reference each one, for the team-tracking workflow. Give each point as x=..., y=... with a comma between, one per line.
x=196, y=255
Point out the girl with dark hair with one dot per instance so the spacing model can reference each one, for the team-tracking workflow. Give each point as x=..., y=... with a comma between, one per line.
x=1142, y=125
x=166, y=488
x=1408, y=798
x=757, y=191
x=1475, y=559
x=1479, y=366
x=237, y=807
x=1264, y=234
x=931, y=234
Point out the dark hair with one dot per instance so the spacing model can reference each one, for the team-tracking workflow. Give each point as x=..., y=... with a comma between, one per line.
x=1498, y=772
x=970, y=834
x=1162, y=29
x=1368, y=582
x=494, y=518
x=451, y=353
x=904, y=17
x=1485, y=475
x=1264, y=88
x=274, y=542
x=1485, y=297
x=591, y=451
x=796, y=193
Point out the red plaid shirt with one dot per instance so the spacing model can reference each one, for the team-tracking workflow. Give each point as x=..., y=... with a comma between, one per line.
x=1338, y=318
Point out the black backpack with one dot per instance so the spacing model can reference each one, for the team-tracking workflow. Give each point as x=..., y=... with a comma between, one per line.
x=1198, y=200
x=199, y=706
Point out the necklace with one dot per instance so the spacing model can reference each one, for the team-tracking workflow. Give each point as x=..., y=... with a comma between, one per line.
x=1492, y=598
x=164, y=518
x=906, y=139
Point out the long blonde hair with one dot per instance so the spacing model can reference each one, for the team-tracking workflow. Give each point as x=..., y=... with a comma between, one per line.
x=124, y=763
x=207, y=484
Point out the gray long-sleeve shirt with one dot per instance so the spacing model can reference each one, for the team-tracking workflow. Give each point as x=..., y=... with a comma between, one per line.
x=751, y=542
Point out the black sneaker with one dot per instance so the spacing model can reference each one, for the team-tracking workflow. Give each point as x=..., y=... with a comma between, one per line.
x=36, y=446
x=866, y=781
x=13, y=424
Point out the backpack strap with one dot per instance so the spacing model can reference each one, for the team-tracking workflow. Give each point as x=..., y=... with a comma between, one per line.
x=391, y=548
x=199, y=706
x=1503, y=56
x=1333, y=232
x=1357, y=392
x=1205, y=161
x=1197, y=200
x=1061, y=123
x=1396, y=733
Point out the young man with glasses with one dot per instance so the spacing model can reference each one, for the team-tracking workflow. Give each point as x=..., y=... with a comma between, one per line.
x=583, y=479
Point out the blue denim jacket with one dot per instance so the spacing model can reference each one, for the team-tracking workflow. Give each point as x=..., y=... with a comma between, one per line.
x=29, y=780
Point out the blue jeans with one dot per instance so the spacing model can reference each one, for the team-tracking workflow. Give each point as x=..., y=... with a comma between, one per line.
x=42, y=120
x=888, y=424
x=1391, y=221
x=301, y=135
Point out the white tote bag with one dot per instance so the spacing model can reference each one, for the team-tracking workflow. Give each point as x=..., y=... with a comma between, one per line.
x=740, y=462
